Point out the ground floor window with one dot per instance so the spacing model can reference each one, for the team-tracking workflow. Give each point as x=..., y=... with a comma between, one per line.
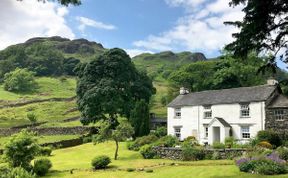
x=279, y=114
x=177, y=132
x=245, y=132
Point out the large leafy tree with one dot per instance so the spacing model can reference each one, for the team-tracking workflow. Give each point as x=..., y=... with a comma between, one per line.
x=263, y=29
x=109, y=86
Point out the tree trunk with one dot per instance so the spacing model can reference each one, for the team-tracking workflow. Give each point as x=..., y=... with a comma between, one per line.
x=116, y=151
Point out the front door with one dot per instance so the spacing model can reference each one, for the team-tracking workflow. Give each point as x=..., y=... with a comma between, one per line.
x=216, y=134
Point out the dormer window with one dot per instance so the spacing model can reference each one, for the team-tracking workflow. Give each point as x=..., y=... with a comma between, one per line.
x=244, y=110
x=279, y=114
x=177, y=112
x=207, y=112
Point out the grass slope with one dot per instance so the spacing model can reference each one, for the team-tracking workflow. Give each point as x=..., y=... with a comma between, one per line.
x=79, y=158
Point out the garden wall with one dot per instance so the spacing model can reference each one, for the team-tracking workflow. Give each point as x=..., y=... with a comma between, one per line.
x=51, y=131
x=175, y=153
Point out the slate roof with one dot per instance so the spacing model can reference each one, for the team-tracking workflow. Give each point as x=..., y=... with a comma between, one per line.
x=222, y=121
x=225, y=96
x=280, y=101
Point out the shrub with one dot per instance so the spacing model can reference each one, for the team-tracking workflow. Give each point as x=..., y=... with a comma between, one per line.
x=265, y=144
x=229, y=142
x=42, y=166
x=4, y=170
x=149, y=170
x=283, y=152
x=45, y=151
x=167, y=141
x=19, y=80
x=269, y=136
x=218, y=145
x=19, y=172
x=87, y=139
x=21, y=149
x=190, y=153
x=141, y=141
x=160, y=132
x=100, y=162
x=191, y=140
x=147, y=152
x=268, y=167
x=130, y=169
x=32, y=117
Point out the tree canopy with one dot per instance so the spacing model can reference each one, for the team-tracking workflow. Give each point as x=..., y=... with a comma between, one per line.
x=109, y=86
x=263, y=29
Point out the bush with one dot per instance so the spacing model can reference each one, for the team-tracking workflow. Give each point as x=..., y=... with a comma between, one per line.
x=19, y=80
x=283, y=152
x=21, y=149
x=42, y=166
x=141, y=141
x=265, y=144
x=167, y=141
x=87, y=139
x=160, y=132
x=218, y=145
x=130, y=169
x=4, y=170
x=269, y=136
x=45, y=151
x=32, y=117
x=190, y=153
x=100, y=162
x=229, y=142
x=147, y=152
x=149, y=170
x=191, y=140
x=19, y=172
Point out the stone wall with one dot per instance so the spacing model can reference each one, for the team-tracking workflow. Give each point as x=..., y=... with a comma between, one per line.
x=279, y=126
x=51, y=131
x=175, y=153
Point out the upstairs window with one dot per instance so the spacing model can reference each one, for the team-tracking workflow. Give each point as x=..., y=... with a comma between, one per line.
x=245, y=132
x=279, y=115
x=207, y=112
x=244, y=110
x=177, y=132
x=178, y=112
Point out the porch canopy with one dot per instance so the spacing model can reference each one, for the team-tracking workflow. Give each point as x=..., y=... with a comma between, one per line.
x=218, y=130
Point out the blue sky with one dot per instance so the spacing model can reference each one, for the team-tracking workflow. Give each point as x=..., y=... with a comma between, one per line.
x=135, y=25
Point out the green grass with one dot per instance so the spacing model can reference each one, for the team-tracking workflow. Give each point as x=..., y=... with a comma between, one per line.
x=44, y=139
x=46, y=111
x=47, y=88
x=79, y=158
x=157, y=106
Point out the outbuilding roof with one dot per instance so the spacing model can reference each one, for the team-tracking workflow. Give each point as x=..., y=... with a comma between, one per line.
x=280, y=101
x=225, y=96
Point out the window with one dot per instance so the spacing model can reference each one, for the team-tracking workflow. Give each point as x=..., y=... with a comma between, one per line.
x=244, y=110
x=177, y=132
x=177, y=112
x=279, y=114
x=245, y=132
x=207, y=112
x=206, y=131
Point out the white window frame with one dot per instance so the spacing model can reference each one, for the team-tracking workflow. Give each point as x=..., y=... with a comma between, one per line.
x=279, y=114
x=177, y=132
x=206, y=134
x=244, y=110
x=177, y=113
x=245, y=132
x=207, y=114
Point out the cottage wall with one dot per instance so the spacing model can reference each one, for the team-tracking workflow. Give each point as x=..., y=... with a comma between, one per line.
x=280, y=126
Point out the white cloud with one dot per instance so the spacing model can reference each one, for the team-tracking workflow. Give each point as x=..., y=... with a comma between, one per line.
x=202, y=29
x=135, y=52
x=20, y=21
x=84, y=22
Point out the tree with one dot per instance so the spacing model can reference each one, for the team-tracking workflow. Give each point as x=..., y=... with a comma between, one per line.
x=140, y=118
x=21, y=149
x=109, y=86
x=63, y=2
x=19, y=80
x=106, y=132
x=69, y=65
x=263, y=29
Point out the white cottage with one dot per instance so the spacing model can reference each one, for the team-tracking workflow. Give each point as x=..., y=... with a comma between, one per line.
x=213, y=115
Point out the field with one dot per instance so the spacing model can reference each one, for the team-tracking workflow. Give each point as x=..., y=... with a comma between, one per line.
x=78, y=159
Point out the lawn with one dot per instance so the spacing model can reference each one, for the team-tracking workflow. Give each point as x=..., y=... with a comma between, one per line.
x=46, y=111
x=157, y=106
x=78, y=158
x=47, y=88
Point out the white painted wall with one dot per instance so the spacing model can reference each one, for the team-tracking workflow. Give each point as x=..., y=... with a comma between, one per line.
x=192, y=119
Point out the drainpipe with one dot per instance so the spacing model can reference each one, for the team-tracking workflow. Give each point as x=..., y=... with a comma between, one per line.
x=262, y=120
x=199, y=133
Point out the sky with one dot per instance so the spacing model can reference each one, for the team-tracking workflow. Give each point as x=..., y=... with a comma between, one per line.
x=135, y=25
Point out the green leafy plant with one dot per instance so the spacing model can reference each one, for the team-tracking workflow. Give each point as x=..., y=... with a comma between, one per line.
x=100, y=162
x=41, y=166
x=45, y=151
x=218, y=145
x=147, y=152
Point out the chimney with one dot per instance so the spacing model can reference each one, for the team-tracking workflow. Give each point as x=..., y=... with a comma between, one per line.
x=272, y=81
x=183, y=91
